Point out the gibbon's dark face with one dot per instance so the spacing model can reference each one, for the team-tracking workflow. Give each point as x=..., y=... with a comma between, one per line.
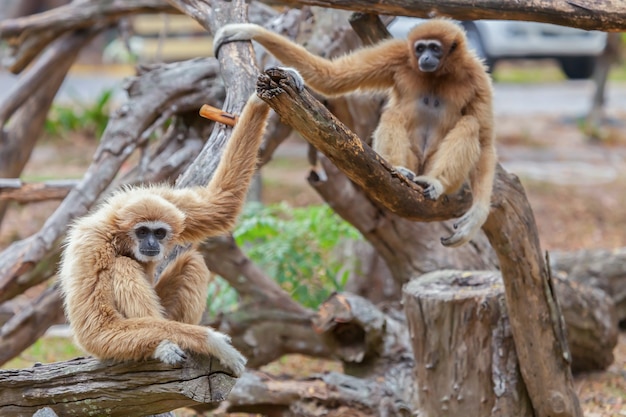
x=429, y=53
x=150, y=239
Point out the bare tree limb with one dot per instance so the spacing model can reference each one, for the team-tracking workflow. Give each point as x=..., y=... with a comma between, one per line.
x=77, y=387
x=28, y=192
x=30, y=324
x=609, y=16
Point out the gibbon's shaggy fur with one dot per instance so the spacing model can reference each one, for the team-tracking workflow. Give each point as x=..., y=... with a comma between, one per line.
x=437, y=126
x=108, y=265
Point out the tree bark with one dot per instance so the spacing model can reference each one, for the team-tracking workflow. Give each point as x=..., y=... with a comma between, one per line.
x=23, y=193
x=463, y=347
x=21, y=330
x=534, y=313
x=591, y=323
x=609, y=16
x=598, y=268
x=77, y=387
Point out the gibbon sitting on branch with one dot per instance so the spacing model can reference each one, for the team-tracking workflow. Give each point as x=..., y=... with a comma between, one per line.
x=437, y=127
x=108, y=265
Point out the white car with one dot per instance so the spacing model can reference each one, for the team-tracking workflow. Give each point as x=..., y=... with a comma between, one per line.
x=575, y=49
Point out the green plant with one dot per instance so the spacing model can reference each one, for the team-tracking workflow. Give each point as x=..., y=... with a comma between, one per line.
x=90, y=119
x=295, y=246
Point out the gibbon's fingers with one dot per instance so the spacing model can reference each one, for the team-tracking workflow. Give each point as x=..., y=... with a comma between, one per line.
x=410, y=175
x=262, y=82
x=432, y=187
x=234, y=32
x=169, y=353
x=220, y=347
x=467, y=226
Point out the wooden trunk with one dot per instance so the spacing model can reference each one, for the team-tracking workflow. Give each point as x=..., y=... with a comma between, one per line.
x=463, y=347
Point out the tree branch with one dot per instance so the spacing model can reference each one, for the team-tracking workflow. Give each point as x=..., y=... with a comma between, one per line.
x=358, y=161
x=28, y=192
x=88, y=386
x=609, y=16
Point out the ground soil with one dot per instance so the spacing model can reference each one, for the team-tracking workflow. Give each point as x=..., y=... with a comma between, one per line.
x=577, y=190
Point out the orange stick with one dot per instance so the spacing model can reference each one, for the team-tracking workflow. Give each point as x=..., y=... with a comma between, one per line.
x=217, y=115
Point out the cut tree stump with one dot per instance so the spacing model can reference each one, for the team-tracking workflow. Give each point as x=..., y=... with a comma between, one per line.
x=463, y=347
x=83, y=387
x=470, y=361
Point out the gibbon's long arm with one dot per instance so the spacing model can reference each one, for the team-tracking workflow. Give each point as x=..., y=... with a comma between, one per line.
x=213, y=210
x=462, y=146
x=368, y=68
x=482, y=176
x=134, y=295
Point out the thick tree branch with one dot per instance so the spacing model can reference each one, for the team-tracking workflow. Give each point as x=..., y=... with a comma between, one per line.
x=359, y=161
x=91, y=387
x=28, y=192
x=609, y=16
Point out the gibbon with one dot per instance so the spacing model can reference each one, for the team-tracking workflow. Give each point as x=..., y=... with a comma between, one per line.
x=437, y=126
x=108, y=264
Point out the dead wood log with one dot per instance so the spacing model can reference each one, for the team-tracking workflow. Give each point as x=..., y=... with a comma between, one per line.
x=510, y=228
x=463, y=346
x=609, y=16
x=591, y=323
x=599, y=268
x=331, y=395
x=30, y=323
x=76, y=387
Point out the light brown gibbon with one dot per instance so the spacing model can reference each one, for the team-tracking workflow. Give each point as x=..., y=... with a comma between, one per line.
x=108, y=265
x=437, y=126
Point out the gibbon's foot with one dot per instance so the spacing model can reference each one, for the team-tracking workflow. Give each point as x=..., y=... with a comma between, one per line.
x=410, y=175
x=271, y=83
x=467, y=226
x=229, y=356
x=231, y=33
x=432, y=188
x=169, y=353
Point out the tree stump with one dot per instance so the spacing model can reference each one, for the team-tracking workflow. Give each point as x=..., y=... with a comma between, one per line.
x=463, y=346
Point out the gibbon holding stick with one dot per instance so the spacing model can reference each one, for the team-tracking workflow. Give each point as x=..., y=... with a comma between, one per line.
x=108, y=264
x=437, y=126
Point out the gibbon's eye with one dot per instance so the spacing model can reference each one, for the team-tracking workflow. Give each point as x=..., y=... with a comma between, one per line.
x=160, y=233
x=142, y=231
x=435, y=48
x=419, y=48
